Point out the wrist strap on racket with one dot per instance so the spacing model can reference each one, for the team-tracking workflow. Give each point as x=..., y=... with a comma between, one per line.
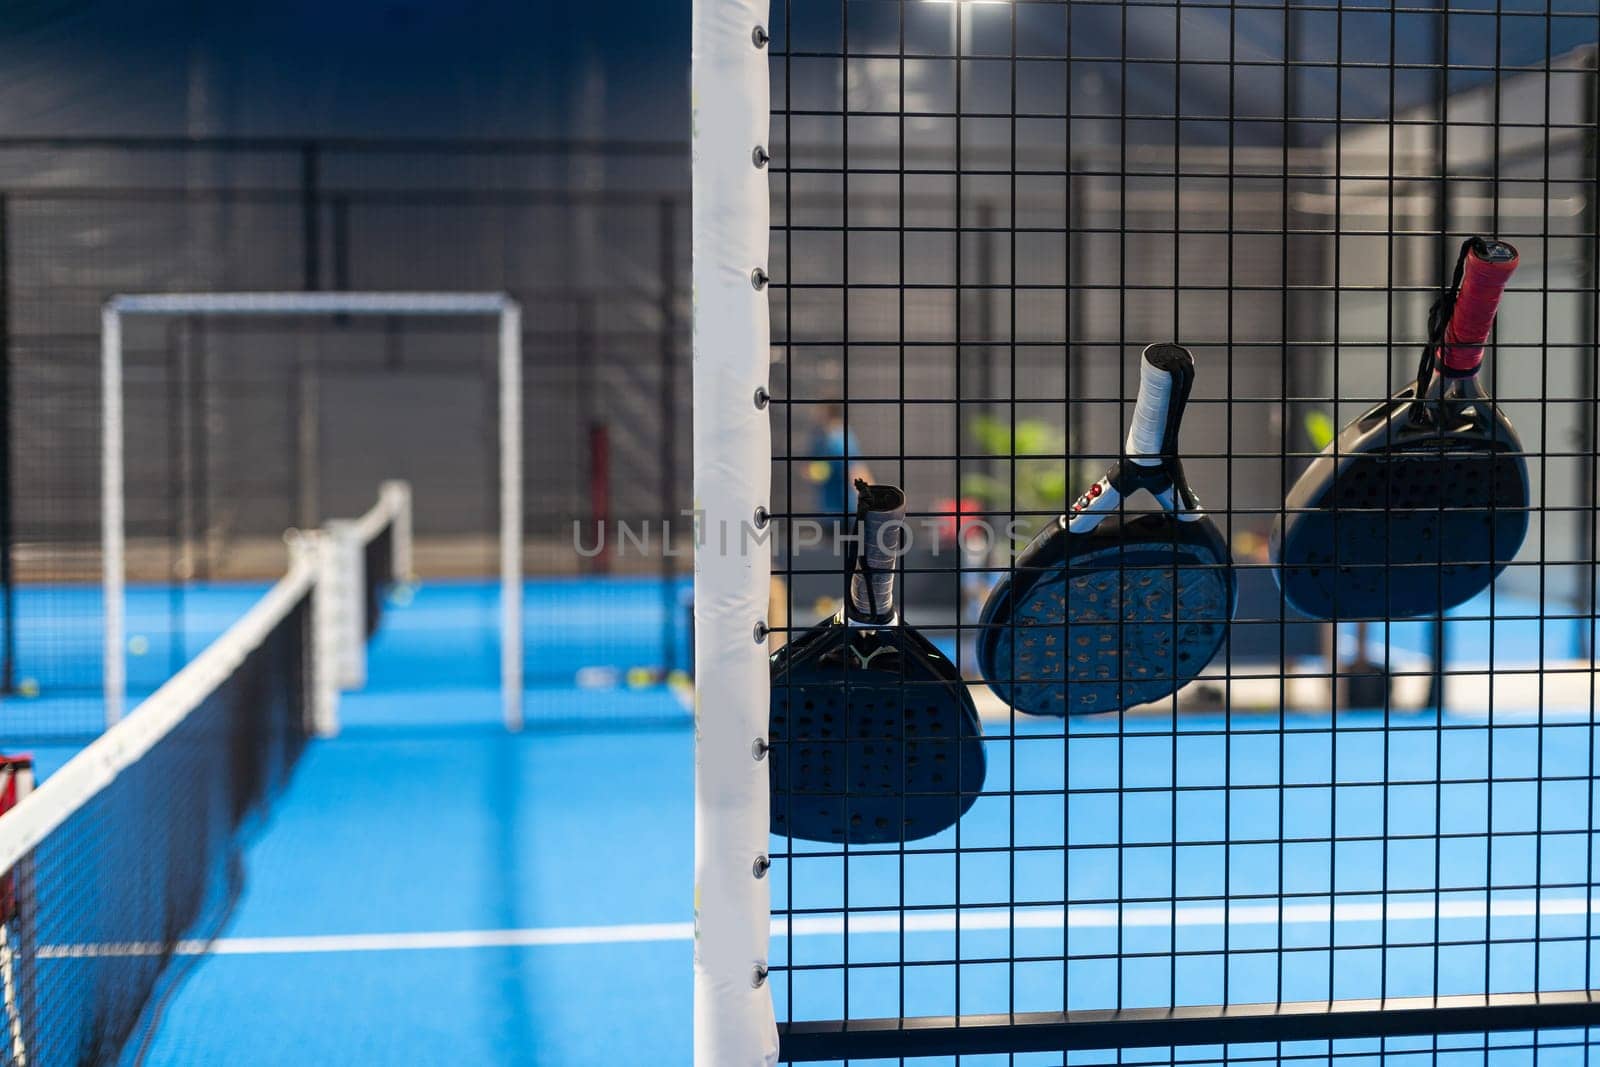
x=1439, y=319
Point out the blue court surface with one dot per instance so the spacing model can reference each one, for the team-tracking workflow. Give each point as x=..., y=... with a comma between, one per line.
x=433, y=890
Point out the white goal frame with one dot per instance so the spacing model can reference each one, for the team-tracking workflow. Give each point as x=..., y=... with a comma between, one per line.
x=499, y=306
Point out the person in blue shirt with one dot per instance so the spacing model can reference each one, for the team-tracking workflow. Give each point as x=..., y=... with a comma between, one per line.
x=834, y=479
x=830, y=470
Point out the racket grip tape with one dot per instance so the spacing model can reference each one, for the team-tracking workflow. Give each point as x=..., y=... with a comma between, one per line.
x=1164, y=372
x=882, y=540
x=1488, y=267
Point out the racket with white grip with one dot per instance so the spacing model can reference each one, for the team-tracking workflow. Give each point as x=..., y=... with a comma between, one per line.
x=1110, y=607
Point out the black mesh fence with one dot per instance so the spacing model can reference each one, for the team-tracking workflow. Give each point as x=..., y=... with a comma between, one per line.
x=1295, y=824
x=238, y=429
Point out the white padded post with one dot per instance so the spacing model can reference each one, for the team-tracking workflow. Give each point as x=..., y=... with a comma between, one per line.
x=329, y=605
x=345, y=577
x=398, y=495
x=733, y=1014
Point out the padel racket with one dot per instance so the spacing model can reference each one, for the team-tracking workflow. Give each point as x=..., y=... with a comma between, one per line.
x=1106, y=608
x=1420, y=502
x=874, y=737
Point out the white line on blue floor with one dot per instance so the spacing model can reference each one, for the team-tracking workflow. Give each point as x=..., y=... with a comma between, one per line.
x=972, y=920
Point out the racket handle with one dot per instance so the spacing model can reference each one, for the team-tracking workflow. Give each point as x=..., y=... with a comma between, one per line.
x=1488, y=267
x=882, y=538
x=1165, y=374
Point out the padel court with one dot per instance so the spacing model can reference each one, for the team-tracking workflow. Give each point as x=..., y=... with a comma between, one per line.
x=460, y=923
x=976, y=533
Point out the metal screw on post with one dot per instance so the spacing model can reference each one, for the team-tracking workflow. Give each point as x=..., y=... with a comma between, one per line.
x=760, y=157
x=762, y=398
x=758, y=279
x=760, y=867
x=759, y=36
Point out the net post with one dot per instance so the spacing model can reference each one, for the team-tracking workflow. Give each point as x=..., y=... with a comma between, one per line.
x=344, y=573
x=733, y=1008
x=329, y=604
x=112, y=535
x=511, y=513
x=398, y=493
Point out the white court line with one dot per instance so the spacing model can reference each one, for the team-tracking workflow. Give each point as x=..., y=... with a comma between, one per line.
x=1094, y=917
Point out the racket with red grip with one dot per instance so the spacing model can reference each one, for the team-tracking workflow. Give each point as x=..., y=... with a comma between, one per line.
x=1422, y=501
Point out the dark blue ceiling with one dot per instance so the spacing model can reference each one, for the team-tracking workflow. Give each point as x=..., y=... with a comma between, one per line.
x=448, y=68
x=619, y=69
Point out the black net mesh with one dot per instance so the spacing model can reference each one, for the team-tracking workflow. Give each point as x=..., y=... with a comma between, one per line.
x=134, y=880
x=378, y=553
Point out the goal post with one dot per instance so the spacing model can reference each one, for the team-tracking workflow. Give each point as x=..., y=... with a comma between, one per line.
x=499, y=307
x=733, y=1009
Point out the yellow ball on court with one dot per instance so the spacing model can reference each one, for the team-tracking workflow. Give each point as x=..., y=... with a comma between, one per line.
x=639, y=677
x=28, y=687
x=138, y=645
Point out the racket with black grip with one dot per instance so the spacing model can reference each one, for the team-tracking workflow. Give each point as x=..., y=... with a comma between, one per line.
x=1421, y=501
x=1107, y=608
x=874, y=737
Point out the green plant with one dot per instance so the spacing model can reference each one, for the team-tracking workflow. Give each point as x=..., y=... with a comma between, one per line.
x=1032, y=483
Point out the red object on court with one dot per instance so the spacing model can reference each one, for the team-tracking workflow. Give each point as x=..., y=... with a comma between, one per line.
x=957, y=518
x=16, y=782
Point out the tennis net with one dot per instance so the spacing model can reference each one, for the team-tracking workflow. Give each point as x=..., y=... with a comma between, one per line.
x=128, y=857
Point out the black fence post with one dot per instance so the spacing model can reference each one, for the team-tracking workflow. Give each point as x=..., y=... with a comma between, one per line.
x=341, y=242
x=339, y=236
x=310, y=217
x=669, y=427
x=304, y=387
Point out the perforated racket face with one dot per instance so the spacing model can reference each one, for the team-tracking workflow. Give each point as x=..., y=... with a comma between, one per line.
x=885, y=749
x=1111, y=626
x=1408, y=531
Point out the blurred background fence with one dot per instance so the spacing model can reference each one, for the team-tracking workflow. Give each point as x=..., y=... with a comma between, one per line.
x=593, y=250
x=1333, y=232
x=238, y=429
